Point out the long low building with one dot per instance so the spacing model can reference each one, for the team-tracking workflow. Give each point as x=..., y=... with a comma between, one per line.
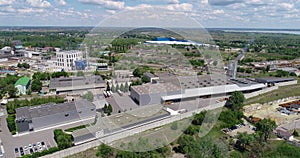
x=76, y=83
x=214, y=90
x=177, y=89
x=31, y=118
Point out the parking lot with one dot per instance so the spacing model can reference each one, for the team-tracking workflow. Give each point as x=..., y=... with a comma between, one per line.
x=241, y=128
x=32, y=148
x=28, y=143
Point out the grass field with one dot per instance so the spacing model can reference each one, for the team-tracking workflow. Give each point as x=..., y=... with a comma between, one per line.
x=280, y=93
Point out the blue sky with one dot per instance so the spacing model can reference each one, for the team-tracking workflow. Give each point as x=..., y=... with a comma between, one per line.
x=209, y=13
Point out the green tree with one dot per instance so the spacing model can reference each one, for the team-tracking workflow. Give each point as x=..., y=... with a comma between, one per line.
x=117, y=87
x=145, y=79
x=268, y=68
x=36, y=85
x=265, y=127
x=295, y=133
x=245, y=139
x=108, y=86
x=191, y=130
x=126, y=87
x=62, y=139
x=198, y=118
x=11, y=90
x=236, y=100
x=105, y=108
x=113, y=88
x=138, y=72
x=122, y=88
x=109, y=108
x=104, y=151
x=11, y=123
x=96, y=72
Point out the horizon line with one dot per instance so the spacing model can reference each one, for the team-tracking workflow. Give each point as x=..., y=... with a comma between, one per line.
x=78, y=26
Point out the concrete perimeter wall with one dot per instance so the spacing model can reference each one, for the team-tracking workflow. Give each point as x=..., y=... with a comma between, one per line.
x=269, y=89
x=129, y=132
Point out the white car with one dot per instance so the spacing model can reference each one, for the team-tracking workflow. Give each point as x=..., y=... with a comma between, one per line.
x=40, y=148
x=39, y=144
x=25, y=148
x=30, y=146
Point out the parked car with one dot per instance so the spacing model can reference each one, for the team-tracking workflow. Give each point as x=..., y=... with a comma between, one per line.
x=16, y=150
x=31, y=150
x=21, y=151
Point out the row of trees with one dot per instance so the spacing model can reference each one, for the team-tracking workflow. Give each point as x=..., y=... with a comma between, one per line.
x=23, y=65
x=68, y=40
x=12, y=105
x=123, y=88
x=121, y=45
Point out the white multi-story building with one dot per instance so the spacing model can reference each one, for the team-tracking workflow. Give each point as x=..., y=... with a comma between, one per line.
x=66, y=59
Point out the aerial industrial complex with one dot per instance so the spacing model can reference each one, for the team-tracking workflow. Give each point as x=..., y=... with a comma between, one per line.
x=106, y=103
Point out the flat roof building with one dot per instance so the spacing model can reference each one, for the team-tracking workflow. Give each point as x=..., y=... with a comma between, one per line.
x=76, y=83
x=151, y=77
x=66, y=59
x=31, y=118
x=273, y=80
x=22, y=85
x=151, y=93
x=175, y=89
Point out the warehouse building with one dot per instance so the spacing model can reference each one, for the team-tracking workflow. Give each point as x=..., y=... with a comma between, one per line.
x=273, y=80
x=72, y=84
x=31, y=118
x=183, y=88
x=151, y=93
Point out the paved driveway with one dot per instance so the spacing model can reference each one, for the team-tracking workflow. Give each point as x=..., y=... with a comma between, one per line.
x=10, y=142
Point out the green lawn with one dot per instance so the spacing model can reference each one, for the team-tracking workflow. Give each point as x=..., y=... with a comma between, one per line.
x=281, y=92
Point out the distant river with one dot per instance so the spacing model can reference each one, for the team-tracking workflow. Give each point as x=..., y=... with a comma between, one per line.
x=267, y=31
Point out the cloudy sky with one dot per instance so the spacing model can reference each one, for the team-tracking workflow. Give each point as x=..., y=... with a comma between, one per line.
x=209, y=13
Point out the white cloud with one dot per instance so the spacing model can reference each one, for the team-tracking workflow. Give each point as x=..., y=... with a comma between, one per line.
x=39, y=3
x=9, y=9
x=109, y=4
x=6, y=2
x=180, y=7
x=30, y=10
x=111, y=11
x=173, y=1
x=219, y=11
x=287, y=5
x=138, y=7
x=60, y=2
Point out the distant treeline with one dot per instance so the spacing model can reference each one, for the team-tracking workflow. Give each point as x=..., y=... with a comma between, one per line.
x=64, y=40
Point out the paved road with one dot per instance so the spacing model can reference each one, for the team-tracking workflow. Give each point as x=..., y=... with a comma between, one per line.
x=9, y=142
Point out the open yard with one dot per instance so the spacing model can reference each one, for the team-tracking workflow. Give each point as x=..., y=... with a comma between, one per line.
x=269, y=111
